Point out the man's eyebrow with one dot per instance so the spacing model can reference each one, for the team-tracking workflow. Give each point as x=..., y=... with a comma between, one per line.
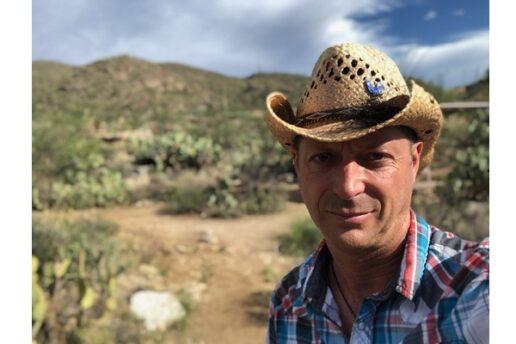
x=371, y=143
x=326, y=146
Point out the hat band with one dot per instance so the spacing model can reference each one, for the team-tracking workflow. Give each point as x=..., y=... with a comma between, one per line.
x=361, y=116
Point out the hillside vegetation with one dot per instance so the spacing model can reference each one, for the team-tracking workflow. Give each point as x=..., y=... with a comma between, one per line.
x=128, y=93
x=123, y=129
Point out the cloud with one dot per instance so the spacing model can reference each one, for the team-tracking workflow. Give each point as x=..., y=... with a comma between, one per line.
x=458, y=62
x=235, y=38
x=430, y=15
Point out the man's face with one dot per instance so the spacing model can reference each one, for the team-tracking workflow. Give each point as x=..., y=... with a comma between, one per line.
x=359, y=192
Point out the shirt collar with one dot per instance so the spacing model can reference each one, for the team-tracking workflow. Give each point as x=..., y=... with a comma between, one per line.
x=414, y=256
x=316, y=283
x=315, y=268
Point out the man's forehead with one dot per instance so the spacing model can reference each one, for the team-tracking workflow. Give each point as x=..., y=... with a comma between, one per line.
x=378, y=138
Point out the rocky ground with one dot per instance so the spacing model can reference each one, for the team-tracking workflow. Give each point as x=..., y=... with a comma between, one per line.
x=228, y=267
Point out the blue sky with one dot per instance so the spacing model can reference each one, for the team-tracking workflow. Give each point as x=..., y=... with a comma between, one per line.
x=446, y=42
x=432, y=22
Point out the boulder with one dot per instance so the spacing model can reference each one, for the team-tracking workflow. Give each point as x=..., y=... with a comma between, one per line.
x=157, y=309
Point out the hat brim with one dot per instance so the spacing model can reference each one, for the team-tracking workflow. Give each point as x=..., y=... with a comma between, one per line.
x=422, y=113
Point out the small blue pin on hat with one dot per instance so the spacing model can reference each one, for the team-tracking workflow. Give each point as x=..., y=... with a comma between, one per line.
x=374, y=89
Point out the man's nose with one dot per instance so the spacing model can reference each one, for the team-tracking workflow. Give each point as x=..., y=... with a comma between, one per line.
x=350, y=180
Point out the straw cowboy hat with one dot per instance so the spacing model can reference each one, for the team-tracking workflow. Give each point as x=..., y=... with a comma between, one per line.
x=355, y=90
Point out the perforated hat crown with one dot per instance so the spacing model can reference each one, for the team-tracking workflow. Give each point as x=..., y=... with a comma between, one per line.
x=355, y=90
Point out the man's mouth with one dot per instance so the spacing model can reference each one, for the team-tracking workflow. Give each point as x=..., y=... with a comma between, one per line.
x=348, y=214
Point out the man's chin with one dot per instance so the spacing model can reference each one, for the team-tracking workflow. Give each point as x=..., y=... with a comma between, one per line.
x=342, y=222
x=352, y=234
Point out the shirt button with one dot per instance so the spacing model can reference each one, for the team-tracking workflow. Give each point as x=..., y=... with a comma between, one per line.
x=361, y=326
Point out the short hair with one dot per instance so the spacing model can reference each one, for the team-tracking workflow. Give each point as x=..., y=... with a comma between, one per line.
x=296, y=141
x=409, y=133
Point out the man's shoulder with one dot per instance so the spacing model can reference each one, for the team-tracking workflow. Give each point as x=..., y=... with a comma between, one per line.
x=448, y=248
x=454, y=288
x=456, y=269
x=289, y=291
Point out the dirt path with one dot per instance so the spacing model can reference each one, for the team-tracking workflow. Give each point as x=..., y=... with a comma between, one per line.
x=237, y=260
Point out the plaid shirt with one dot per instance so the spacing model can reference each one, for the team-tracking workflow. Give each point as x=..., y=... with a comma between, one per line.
x=441, y=295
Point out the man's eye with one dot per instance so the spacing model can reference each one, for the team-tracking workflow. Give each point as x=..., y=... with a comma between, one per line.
x=321, y=158
x=375, y=156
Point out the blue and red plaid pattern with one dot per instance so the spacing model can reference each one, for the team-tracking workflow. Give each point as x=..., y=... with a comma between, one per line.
x=441, y=295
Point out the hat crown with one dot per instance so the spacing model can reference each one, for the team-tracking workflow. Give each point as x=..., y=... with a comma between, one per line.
x=352, y=75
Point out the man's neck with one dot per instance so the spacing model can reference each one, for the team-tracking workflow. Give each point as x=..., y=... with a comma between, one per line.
x=362, y=274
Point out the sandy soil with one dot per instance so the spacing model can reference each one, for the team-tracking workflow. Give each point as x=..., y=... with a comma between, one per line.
x=238, y=260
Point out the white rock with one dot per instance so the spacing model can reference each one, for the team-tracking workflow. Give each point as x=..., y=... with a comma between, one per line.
x=208, y=237
x=184, y=249
x=148, y=270
x=157, y=309
x=195, y=290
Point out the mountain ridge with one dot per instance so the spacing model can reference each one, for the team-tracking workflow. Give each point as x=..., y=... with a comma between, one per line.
x=143, y=92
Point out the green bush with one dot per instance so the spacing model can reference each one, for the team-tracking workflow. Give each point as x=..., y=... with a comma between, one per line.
x=262, y=199
x=461, y=202
x=73, y=171
x=187, y=199
x=176, y=150
x=468, y=219
x=469, y=178
x=224, y=199
x=75, y=264
x=302, y=238
x=82, y=190
x=61, y=148
x=259, y=157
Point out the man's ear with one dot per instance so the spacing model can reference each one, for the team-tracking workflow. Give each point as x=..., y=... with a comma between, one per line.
x=293, y=154
x=417, y=149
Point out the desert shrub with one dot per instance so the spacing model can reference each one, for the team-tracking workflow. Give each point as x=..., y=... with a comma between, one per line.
x=157, y=189
x=125, y=328
x=72, y=171
x=82, y=190
x=176, y=150
x=469, y=220
x=262, y=199
x=461, y=202
x=225, y=199
x=187, y=199
x=469, y=178
x=74, y=264
x=54, y=241
x=257, y=156
x=77, y=171
x=58, y=152
x=302, y=238
x=261, y=160
x=216, y=200
x=222, y=201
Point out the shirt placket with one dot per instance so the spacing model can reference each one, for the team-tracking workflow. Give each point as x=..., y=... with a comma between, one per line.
x=362, y=330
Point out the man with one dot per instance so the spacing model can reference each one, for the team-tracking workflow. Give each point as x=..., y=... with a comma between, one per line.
x=381, y=274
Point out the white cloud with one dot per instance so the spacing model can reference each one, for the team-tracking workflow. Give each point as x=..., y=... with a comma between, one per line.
x=430, y=15
x=454, y=63
x=346, y=30
x=232, y=37
x=269, y=6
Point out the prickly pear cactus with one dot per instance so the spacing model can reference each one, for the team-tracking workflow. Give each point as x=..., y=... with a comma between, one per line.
x=39, y=300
